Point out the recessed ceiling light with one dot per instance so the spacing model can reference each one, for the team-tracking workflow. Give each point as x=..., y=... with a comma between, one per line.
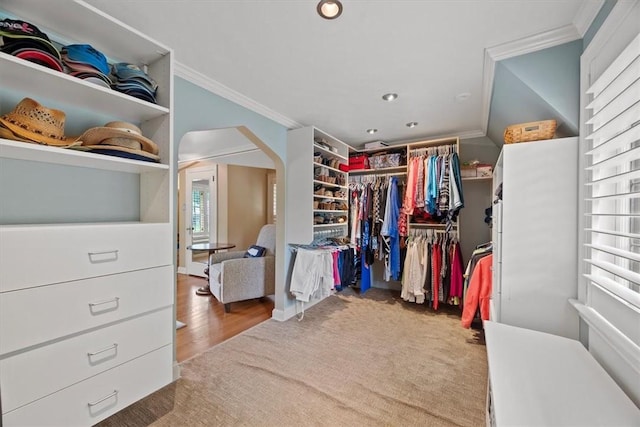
x=389, y=96
x=329, y=9
x=412, y=124
x=462, y=97
x=372, y=131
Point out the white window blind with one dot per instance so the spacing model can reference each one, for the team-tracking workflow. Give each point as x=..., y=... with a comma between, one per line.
x=612, y=232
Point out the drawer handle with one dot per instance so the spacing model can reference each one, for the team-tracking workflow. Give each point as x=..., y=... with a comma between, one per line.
x=93, y=255
x=109, y=396
x=107, y=301
x=114, y=347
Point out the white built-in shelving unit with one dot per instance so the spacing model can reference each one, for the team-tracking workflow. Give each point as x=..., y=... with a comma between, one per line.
x=86, y=307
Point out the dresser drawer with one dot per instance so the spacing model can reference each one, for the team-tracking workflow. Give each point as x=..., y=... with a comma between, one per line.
x=28, y=376
x=40, y=255
x=37, y=315
x=90, y=401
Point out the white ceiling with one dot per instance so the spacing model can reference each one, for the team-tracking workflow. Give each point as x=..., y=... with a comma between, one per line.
x=332, y=74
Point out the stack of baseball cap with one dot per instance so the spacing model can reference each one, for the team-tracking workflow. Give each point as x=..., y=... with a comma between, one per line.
x=130, y=79
x=26, y=41
x=86, y=62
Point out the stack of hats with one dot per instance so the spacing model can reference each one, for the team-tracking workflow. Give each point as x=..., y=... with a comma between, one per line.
x=85, y=62
x=26, y=41
x=130, y=79
x=35, y=123
x=119, y=139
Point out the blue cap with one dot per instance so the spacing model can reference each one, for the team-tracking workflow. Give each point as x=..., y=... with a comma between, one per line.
x=124, y=71
x=88, y=55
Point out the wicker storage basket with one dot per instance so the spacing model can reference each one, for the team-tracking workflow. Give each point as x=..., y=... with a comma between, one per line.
x=532, y=131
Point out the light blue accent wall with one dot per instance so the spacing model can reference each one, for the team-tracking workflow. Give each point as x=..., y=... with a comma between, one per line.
x=541, y=85
x=198, y=109
x=553, y=74
x=597, y=22
x=97, y=196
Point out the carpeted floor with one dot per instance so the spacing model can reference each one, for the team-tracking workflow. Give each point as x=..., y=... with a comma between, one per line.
x=353, y=361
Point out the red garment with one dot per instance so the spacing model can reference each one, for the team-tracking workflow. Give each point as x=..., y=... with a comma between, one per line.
x=479, y=291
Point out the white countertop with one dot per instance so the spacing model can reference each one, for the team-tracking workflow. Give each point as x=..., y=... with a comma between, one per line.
x=539, y=379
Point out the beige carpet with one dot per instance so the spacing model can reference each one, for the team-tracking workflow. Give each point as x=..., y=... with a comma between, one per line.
x=353, y=361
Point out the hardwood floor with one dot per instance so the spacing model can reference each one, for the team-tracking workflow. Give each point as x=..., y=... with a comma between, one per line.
x=207, y=322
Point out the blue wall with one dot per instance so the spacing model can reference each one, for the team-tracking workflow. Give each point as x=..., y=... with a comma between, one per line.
x=540, y=85
x=597, y=22
x=198, y=109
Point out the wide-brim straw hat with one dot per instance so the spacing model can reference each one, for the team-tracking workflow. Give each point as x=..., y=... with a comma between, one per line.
x=119, y=135
x=34, y=122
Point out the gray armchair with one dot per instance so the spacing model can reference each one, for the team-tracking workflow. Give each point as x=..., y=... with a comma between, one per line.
x=234, y=278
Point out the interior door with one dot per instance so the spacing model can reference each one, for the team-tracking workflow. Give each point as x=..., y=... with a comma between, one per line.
x=200, y=218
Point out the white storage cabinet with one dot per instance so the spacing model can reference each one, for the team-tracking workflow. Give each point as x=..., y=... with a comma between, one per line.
x=534, y=236
x=86, y=308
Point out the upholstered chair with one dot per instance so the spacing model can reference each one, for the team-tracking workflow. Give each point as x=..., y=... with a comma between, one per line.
x=232, y=277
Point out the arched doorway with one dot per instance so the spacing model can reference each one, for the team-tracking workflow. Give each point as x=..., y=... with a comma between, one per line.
x=227, y=153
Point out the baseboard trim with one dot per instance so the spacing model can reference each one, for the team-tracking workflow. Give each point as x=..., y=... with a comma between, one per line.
x=292, y=310
x=182, y=270
x=176, y=371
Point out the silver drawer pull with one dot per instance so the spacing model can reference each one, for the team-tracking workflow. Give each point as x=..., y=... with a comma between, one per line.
x=109, y=396
x=107, y=301
x=111, y=347
x=94, y=256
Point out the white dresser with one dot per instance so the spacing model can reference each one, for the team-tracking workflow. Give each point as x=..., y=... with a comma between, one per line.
x=87, y=319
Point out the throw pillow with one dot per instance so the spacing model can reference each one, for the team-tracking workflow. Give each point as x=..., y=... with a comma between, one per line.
x=255, y=251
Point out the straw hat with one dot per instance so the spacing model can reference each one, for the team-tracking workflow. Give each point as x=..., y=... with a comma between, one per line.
x=37, y=123
x=121, y=137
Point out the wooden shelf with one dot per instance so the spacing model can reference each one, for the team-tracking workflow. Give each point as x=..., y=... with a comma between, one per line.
x=63, y=156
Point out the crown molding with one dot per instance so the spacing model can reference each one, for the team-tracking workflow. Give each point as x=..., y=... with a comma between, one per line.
x=586, y=14
x=226, y=92
x=534, y=43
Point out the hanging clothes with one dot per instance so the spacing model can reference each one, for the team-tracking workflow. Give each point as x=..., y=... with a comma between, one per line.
x=479, y=293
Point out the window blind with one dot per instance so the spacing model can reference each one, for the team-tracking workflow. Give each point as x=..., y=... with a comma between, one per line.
x=612, y=204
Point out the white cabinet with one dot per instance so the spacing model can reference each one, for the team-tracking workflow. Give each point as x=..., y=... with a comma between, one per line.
x=317, y=185
x=534, y=235
x=86, y=298
x=540, y=379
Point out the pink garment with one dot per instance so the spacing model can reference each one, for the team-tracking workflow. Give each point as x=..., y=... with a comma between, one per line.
x=479, y=292
x=336, y=272
x=409, y=202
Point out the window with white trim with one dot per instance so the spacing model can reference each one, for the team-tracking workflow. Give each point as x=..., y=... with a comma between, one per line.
x=612, y=231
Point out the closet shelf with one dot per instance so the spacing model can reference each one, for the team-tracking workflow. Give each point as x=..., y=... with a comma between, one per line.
x=329, y=167
x=329, y=211
x=329, y=152
x=478, y=178
x=326, y=184
x=335, y=224
x=378, y=171
x=319, y=196
x=27, y=76
x=63, y=156
x=426, y=224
